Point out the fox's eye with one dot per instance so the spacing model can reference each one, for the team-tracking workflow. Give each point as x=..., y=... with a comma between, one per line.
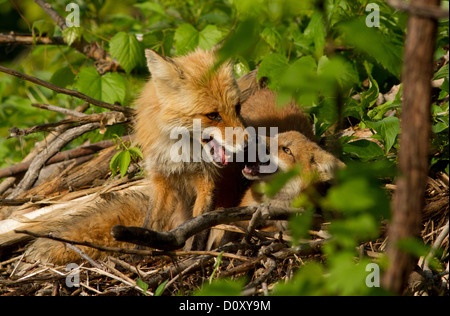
x=287, y=150
x=214, y=116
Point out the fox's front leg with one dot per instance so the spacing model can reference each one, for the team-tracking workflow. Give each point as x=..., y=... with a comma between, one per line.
x=204, y=203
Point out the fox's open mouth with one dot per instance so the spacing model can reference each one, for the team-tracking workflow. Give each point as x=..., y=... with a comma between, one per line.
x=253, y=171
x=217, y=151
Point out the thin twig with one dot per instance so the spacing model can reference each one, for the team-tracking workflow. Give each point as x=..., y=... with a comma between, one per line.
x=28, y=39
x=58, y=109
x=107, y=118
x=73, y=93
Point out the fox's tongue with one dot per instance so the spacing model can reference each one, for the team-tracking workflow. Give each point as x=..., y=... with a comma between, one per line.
x=251, y=170
x=219, y=153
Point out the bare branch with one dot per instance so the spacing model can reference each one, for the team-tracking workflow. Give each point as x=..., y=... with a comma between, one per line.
x=62, y=156
x=59, y=20
x=176, y=238
x=28, y=39
x=58, y=109
x=73, y=93
x=106, y=119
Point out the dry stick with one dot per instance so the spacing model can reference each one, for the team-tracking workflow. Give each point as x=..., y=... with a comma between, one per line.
x=58, y=109
x=110, y=118
x=27, y=39
x=408, y=199
x=193, y=264
x=62, y=156
x=73, y=93
x=176, y=238
x=54, y=147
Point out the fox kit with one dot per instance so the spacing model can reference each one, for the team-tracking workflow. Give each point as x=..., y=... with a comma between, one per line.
x=296, y=146
x=181, y=91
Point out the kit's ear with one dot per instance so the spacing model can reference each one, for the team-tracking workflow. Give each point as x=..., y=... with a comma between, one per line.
x=162, y=68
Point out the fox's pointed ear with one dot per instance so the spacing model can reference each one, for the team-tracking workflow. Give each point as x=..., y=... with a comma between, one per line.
x=162, y=68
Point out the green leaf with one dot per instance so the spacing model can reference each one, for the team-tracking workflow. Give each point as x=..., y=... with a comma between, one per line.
x=372, y=42
x=414, y=246
x=222, y=287
x=369, y=97
x=72, y=34
x=127, y=50
x=136, y=153
x=273, y=66
x=63, y=77
x=43, y=27
x=388, y=128
x=278, y=181
x=159, y=291
x=346, y=277
x=143, y=286
x=308, y=280
x=124, y=162
x=209, y=37
x=109, y=88
x=441, y=73
x=150, y=7
x=300, y=224
x=363, y=149
x=114, y=163
x=316, y=32
x=240, y=41
x=186, y=38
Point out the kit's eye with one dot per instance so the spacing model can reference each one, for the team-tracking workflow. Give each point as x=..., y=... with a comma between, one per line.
x=287, y=150
x=214, y=116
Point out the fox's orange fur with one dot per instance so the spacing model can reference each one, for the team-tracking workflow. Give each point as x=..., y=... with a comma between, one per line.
x=180, y=90
x=296, y=146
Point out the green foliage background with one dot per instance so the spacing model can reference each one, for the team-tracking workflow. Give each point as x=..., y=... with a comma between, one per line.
x=319, y=52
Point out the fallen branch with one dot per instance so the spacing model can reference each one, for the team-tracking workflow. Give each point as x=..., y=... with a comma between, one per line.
x=73, y=93
x=176, y=238
x=35, y=166
x=62, y=156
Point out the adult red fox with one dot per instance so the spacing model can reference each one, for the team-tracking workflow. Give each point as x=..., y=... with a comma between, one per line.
x=185, y=96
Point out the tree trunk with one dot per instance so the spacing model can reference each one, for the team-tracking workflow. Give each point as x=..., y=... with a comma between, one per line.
x=408, y=200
